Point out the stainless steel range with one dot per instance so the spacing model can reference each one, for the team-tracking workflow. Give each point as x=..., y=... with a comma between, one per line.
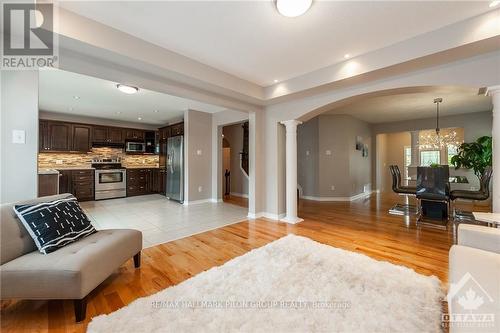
x=110, y=179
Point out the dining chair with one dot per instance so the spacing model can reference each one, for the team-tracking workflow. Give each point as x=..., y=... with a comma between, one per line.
x=481, y=195
x=397, y=187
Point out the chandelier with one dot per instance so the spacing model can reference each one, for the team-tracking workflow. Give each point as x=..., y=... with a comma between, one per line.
x=438, y=139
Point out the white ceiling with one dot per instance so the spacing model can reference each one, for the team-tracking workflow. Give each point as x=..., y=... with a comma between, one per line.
x=409, y=106
x=251, y=40
x=101, y=99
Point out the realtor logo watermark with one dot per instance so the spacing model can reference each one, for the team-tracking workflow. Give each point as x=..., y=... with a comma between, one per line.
x=470, y=304
x=28, y=41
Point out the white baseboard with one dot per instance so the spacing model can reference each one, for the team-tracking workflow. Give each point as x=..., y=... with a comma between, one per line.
x=333, y=199
x=266, y=215
x=241, y=195
x=196, y=202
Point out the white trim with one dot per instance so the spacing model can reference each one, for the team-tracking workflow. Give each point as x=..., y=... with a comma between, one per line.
x=195, y=202
x=241, y=166
x=266, y=215
x=241, y=195
x=354, y=197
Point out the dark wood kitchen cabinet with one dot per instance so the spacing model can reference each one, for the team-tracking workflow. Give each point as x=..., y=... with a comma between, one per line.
x=80, y=183
x=134, y=135
x=144, y=181
x=103, y=135
x=57, y=136
x=177, y=129
x=82, y=138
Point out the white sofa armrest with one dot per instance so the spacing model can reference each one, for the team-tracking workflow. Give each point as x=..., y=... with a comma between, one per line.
x=479, y=237
x=467, y=267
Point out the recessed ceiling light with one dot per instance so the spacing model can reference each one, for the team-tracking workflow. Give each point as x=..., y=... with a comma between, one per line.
x=347, y=56
x=127, y=89
x=139, y=118
x=156, y=111
x=275, y=81
x=494, y=3
x=76, y=97
x=293, y=8
x=118, y=112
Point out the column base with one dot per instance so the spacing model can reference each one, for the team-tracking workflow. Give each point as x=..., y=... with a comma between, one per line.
x=291, y=220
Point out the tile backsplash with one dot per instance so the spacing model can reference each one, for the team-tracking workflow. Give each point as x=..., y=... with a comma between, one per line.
x=60, y=160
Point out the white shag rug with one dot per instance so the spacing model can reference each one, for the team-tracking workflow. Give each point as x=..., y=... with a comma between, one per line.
x=293, y=284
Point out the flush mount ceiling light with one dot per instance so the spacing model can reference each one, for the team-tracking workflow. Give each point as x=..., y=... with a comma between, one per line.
x=494, y=4
x=347, y=56
x=127, y=89
x=293, y=8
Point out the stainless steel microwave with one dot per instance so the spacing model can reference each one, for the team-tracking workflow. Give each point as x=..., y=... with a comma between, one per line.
x=135, y=147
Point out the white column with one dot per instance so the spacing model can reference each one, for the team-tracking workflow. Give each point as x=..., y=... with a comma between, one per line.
x=291, y=171
x=494, y=92
x=415, y=156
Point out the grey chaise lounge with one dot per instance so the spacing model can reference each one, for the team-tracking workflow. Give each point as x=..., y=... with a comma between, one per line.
x=71, y=272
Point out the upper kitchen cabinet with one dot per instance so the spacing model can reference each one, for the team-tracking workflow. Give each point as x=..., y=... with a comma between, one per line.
x=58, y=136
x=134, y=134
x=82, y=138
x=103, y=135
x=177, y=129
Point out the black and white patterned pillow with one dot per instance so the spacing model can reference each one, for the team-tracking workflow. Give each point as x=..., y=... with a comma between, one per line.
x=54, y=224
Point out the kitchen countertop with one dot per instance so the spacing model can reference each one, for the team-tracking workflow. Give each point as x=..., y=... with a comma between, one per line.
x=141, y=167
x=83, y=167
x=48, y=172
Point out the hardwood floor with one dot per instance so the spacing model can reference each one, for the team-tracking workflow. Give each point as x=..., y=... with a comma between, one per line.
x=363, y=226
x=238, y=201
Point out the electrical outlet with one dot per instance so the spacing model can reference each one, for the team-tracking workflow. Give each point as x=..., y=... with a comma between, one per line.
x=332, y=187
x=198, y=152
x=200, y=188
x=307, y=153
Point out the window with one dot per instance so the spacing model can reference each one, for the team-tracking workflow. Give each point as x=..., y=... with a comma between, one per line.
x=428, y=157
x=407, y=159
x=452, y=151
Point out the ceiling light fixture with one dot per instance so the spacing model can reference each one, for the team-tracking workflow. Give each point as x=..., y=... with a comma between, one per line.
x=275, y=81
x=127, y=89
x=139, y=118
x=156, y=111
x=293, y=8
x=118, y=112
x=76, y=97
x=494, y=3
x=347, y=56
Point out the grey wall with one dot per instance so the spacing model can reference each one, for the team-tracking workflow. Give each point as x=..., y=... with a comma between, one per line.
x=307, y=157
x=392, y=153
x=19, y=111
x=198, y=168
x=234, y=135
x=345, y=168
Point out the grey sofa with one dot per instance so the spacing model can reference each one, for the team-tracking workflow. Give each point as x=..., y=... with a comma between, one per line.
x=71, y=272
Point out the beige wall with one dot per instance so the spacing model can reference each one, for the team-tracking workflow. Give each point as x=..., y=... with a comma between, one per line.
x=19, y=111
x=197, y=156
x=239, y=181
x=327, y=156
x=391, y=153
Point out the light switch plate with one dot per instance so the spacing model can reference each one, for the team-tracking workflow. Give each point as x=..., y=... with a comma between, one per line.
x=328, y=152
x=198, y=152
x=18, y=136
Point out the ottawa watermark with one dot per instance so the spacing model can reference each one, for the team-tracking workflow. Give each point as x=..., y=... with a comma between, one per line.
x=471, y=306
x=28, y=40
x=259, y=305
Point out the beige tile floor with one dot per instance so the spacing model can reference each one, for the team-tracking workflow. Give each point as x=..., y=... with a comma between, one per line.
x=159, y=219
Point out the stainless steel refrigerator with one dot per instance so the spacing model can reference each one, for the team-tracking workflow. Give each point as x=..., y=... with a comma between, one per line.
x=175, y=168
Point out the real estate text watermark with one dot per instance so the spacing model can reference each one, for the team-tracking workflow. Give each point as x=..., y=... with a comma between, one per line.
x=28, y=39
